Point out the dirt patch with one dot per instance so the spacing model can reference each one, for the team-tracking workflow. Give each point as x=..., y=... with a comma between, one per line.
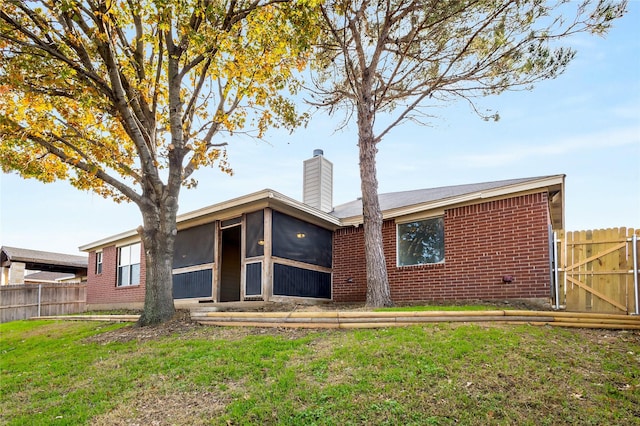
x=180, y=323
x=184, y=328
x=181, y=408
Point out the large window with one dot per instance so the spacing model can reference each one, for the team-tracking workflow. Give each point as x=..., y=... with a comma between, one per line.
x=421, y=242
x=129, y=265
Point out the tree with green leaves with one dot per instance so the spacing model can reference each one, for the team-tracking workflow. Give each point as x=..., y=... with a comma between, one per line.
x=389, y=61
x=127, y=98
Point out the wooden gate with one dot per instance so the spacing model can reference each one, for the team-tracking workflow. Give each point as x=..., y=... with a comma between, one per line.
x=597, y=271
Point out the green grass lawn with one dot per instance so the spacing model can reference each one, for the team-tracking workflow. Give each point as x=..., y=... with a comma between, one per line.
x=71, y=373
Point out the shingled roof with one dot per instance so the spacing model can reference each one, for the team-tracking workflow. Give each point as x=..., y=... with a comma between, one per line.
x=393, y=204
x=48, y=276
x=396, y=203
x=43, y=260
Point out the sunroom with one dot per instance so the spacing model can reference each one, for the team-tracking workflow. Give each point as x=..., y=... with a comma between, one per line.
x=263, y=246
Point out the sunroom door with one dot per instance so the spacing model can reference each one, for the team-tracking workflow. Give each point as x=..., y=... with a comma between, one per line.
x=230, y=261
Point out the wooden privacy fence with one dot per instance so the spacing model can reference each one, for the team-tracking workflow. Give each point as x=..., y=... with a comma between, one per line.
x=597, y=271
x=25, y=301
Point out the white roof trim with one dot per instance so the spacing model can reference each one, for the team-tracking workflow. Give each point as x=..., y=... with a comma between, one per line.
x=480, y=195
x=265, y=194
x=108, y=240
x=275, y=199
x=271, y=197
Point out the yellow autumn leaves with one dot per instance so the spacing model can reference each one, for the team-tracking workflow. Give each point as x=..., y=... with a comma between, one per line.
x=84, y=86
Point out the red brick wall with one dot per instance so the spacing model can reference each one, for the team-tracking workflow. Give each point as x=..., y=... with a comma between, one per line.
x=483, y=243
x=102, y=289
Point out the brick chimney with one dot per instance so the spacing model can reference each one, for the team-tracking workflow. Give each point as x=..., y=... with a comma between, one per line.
x=317, y=184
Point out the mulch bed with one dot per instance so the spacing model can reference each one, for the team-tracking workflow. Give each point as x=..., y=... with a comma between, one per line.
x=182, y=325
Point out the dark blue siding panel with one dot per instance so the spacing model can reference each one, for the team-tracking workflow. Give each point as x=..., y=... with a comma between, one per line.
x=253, y=279
x=292, y=281
x=192, y=284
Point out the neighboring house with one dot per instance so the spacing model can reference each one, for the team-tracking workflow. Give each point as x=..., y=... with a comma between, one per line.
x=45, y=277
x=488, y=240
x=18, y=264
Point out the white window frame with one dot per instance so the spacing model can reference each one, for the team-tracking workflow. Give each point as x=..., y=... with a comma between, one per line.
x=128, y=273
x=98, y=262
x=413, y=220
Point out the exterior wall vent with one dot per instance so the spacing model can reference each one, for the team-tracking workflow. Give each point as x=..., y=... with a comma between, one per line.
x=317, y=182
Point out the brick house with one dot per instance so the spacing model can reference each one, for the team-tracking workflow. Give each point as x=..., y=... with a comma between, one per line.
x=478, y=241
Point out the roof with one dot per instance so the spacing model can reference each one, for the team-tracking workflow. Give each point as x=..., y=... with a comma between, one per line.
x=48, y=276
x=393, y=204
x=43, y=260
x=234, y=208
x=401, y=203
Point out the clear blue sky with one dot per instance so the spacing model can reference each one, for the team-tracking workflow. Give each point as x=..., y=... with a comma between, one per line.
x=585, y=124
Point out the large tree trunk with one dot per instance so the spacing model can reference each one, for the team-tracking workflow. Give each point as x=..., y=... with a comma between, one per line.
x=378, y=293
x=160, y=211
x=158, y=236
